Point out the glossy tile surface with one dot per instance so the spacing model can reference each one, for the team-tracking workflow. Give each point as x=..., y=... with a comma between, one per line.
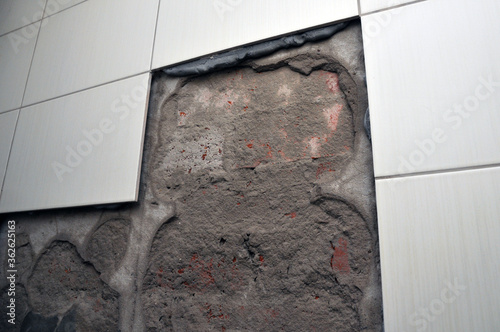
x=16, y=51
x=439, y=246
x=190, y=28
x=80, y=149
x=90, y=44
x=15, y=14
x=55, y=6
x=7, y=127
x=434, y=85
x=373, y=5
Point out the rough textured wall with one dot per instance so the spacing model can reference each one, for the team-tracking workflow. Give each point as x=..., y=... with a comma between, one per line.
x=256, y=211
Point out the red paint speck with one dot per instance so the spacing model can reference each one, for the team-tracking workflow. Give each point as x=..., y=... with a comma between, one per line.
x=317, y=297
x=229, y=102
x=261, y=258
x=182, y=114
x=180, y=271
x=324, y=168
x=340, y=258
x=250, y=146
x=291, y=215
x=204, y=156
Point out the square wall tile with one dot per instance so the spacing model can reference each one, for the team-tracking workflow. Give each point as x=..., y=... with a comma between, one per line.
x=81, y=149
x=439, y=251
x=16, y=52
x=90, y=44
x=373, y=5
x=55, y=6
x=7, y=127
x=433, y=85
x=190, y=28
x=15, y=14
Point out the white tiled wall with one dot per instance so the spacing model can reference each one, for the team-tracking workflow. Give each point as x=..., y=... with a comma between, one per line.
x=440, y=251
x=367, y=6
x=15, y=14
x=211, y=26
x=16, y=52
x=434, y=94
x=55, y=6
x=434, y=85
x=90, y=44
x=433, y=80
x=92, y=143
x=7, y=127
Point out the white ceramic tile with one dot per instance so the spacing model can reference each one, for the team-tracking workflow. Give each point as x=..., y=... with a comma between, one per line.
x=90, y=44
x=80, y=149
x=440, y=251
x=16, y=52
x=190, y=28
x=7, y=128
x=15, y=14
x=434, y=85
x=373, y=5
x=55, y=6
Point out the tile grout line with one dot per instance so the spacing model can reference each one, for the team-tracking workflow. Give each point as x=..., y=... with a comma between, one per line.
x=8, y=155
x=390, y=8
x=43, y=13
x=10, y=110
x=65, y=9
x=20, y=108
x=441, y=171
x=85, y=89
x=32, y=58
x=154, y=36
x=17, y=29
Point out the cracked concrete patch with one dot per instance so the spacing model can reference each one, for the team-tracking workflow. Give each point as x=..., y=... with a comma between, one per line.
x=61, y=280
x=108, y=244
x=275, y=227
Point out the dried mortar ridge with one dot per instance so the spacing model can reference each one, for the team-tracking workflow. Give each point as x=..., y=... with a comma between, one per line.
x=256, y=211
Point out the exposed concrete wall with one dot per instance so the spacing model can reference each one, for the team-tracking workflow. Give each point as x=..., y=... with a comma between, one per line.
x=256, y=211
